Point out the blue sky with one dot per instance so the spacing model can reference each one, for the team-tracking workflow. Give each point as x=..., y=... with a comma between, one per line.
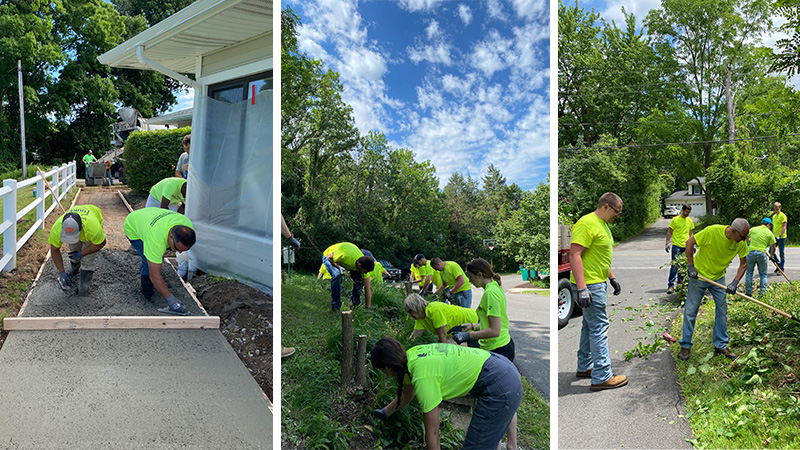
x=463, y=84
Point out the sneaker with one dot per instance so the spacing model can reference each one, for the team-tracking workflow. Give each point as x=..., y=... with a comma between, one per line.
x=684, y=354
x=584, y=374
x=726, y=352
x=670, y=290
x=614, y=382
x=286, y=351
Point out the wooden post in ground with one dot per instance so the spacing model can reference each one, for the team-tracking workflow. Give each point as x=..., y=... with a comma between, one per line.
x=408, y=287
x=347, y=348
x=361, y=361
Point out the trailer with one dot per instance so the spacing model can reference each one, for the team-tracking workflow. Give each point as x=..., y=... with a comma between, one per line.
x=566, y=296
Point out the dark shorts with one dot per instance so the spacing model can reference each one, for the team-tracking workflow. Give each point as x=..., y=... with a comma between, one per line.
x=499, y=393
x=506, y=350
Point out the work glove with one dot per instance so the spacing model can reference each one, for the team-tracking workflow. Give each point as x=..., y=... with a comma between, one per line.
x=174, y=304
x=692, y=272
x=461, y=336
x=380, y=414
x=75, y=256
x=64, y=280
x=615, y=285
x=584, y=298
x=667, y=247
x=772, y=258
x=455, y=329
x=294, y=243
x=731, y=289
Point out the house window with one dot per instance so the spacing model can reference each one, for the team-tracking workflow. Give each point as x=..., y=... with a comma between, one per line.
x=235, y=91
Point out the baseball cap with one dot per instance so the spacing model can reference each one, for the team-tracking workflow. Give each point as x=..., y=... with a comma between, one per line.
x=766, y=220
x=418, y=257
x=71, y=228
x=90, y=151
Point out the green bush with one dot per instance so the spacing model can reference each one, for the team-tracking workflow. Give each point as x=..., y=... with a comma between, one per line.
x=150, y=156
x=16, y=174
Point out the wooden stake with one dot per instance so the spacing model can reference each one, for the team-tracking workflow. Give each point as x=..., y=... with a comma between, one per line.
x=361, y=361
x=347, y=348
x=408, y=287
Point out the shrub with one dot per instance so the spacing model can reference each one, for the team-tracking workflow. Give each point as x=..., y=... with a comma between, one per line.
x=150, y=156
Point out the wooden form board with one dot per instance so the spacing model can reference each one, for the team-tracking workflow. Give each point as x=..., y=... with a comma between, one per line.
x=109, y=322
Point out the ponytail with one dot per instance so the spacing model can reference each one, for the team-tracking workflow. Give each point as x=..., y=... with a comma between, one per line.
x=482, y=267
x=390, y=353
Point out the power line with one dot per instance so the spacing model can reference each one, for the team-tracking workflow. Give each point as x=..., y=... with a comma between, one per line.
x=653, y=121
x=721, y=141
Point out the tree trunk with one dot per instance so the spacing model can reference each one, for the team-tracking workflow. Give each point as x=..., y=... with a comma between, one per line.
x=729, y=103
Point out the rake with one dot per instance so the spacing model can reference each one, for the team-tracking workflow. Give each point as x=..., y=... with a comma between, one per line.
x=783, y=313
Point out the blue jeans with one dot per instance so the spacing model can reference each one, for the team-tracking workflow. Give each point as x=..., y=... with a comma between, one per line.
x=694, y=296
x=499, y=393
x=138, y=245
x=673, y=269
x=463, y=299
x=336, y=288
x=780, y=243
x=754, y=258
x=593, y=347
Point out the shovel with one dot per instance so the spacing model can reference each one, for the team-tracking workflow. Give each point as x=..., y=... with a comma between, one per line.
x=779, y=269
x=783, y=313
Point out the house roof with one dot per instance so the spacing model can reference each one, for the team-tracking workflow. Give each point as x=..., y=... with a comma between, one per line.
x=684, y=195
x=201, y=28
x=183, y=116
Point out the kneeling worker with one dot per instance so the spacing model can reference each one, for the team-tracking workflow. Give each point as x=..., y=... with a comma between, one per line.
x=152, y=231
x=81, y=227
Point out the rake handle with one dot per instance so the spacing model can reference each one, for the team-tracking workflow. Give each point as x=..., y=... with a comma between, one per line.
x=780, y=270
x=50, y=188
x=783, y=313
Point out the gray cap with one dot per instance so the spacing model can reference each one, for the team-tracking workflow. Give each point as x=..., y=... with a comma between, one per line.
x=71, y=228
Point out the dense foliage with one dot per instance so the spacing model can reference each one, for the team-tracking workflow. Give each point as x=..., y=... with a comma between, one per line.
x=151, y=156
x=71, y=99
x=338, y=185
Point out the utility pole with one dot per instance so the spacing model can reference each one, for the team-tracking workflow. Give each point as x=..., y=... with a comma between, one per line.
x=22, y=119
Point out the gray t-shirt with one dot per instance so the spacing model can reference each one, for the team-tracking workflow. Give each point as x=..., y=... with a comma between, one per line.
x=183, y=160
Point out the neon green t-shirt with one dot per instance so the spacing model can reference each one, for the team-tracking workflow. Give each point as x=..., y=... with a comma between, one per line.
x=716, y=251
x=443, y=371
x=451, y=272
x=92, y=225
x=592, y=233
x=346, y=254
x=376, y=276
x=493, y=303
x=152, y=226
x=324, y=271
x=777, y=224
x=87, y=158
x=761, y=238
x=415, y=274
x=680, y=230
x=169, y=188
x=436, y=277
x=439, y=314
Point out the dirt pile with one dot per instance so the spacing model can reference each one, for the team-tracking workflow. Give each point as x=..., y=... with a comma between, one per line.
x=245, y=321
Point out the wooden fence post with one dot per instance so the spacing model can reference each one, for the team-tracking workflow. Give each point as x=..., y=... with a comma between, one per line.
x=347, y=348
x=361, y=361
x=408, y=287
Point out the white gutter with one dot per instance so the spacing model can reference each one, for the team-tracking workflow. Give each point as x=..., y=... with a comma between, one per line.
x=164, y=70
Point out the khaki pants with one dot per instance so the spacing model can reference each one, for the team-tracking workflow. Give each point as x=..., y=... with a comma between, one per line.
x=88, y=261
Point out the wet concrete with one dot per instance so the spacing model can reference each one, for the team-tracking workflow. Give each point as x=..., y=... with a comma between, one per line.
x=115, y=291
x=163, y=389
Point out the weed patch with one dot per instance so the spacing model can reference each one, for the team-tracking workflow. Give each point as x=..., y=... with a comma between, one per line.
x=754, y=401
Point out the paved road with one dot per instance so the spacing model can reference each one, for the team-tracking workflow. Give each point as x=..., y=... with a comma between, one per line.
x=529, y=323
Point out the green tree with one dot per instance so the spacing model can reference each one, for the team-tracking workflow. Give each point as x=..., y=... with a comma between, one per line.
x=525, y=236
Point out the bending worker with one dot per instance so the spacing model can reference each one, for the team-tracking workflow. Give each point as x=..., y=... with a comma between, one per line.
x=425, y=273
x=454, y=278
x=436, y=317
x=758, y=241
x=717, y=245
x=152, y=231
x=169, y=193
x=346, y=256
x=437, y=372
x=81, y=227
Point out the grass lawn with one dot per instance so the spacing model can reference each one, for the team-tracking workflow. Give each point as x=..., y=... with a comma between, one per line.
x=754, y=401
x=24, y=198
x=318, y=413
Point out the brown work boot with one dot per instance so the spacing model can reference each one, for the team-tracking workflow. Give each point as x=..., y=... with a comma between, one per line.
x=286, y=351
x=684, y=354
x=584, y=373
x=726, y=352
x=614, y=382
x=670, y=290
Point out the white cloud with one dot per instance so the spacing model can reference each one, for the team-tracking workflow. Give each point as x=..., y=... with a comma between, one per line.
x=434, y=49
x=639, y=8
x=465, y=14
x=490, y=55
x=362, y=63
x=531, y=9
x=432, y=30
x=185, y=101
x=419, y=5
x=495, y=9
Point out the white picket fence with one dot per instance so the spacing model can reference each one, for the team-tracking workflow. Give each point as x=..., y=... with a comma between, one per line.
x=62, y=180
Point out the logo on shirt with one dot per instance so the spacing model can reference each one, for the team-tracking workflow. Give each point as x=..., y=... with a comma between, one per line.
x=422, y=355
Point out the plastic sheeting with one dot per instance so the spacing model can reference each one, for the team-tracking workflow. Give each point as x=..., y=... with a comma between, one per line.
x=229, y=188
